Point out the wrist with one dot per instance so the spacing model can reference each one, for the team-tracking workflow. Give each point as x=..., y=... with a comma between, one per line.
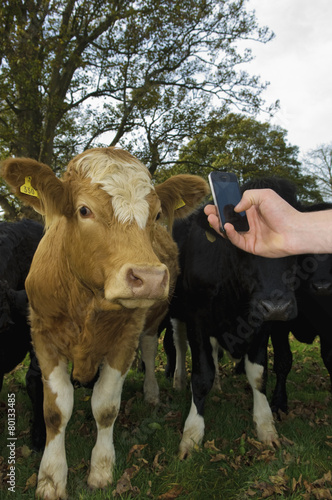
x=311, y=233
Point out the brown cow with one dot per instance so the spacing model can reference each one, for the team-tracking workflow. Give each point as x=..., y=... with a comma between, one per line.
x=102, y=271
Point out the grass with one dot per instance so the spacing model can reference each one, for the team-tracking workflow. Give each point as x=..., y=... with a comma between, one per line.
x=231, y=464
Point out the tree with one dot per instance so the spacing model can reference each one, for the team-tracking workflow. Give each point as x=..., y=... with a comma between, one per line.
x=75, y=70
x=318, y=163
x=246, y=147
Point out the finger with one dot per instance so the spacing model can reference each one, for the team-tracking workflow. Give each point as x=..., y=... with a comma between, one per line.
x=250, y=198
x=214, y=222
x=233, y=236
x=210, y=209
x=246, y=202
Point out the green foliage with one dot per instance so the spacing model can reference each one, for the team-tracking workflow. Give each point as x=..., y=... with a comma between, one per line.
x=132, y=56
x=231, y=464
x=247, y=147
x=80, y=73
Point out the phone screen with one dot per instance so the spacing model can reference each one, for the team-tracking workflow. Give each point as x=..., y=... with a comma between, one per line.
x=226, y=193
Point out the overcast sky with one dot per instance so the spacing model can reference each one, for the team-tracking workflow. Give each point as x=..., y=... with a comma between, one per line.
x=298, y=65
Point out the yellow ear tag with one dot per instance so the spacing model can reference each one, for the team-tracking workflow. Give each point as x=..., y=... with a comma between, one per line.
x=211, y=237
x=28, y=189
x=179, y=205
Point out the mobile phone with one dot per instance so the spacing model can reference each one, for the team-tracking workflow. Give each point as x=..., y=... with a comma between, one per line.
x=226, y=195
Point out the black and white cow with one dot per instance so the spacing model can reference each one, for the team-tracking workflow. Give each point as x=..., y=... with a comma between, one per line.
x=312, y=283
x=226, y=294
x=18, y=242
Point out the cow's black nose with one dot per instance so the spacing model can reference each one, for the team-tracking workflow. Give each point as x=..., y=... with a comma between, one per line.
x=281, y=310
x=322, y=287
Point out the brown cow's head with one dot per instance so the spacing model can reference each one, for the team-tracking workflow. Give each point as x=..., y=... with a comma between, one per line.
x=102, y=218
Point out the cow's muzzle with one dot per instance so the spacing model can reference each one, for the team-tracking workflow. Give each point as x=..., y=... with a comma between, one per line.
x=279, y=308
x=321, y=287
x=147, y=283
x=139, y=285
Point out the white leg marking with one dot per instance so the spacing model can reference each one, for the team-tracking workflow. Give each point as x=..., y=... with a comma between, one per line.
x=149, y=348
x=193, y=432
x=215, y=352
x=52, y=477
x=262, y=414
x=105, y=402
x=181, y=346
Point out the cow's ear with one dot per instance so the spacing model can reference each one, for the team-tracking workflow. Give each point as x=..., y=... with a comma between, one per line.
x=181, y=194
x=35, y=184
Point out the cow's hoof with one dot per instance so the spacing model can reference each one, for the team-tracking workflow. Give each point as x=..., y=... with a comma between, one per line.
x=269, y=437
x=272, y=441
x=184, y=453
x=179, y=384
x=152, y=398
x=47, y=490
x=99, y=480
x=186, y=448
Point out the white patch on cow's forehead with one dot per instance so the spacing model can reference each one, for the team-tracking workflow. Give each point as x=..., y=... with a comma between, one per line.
x=127, y=183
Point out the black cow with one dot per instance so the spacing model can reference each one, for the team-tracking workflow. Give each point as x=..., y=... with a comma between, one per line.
x=229, y=295
x=18, y=242
x=312, y=283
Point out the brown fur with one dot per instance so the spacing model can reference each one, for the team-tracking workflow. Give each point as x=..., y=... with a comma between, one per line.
x=67, y=278
x=79, y=259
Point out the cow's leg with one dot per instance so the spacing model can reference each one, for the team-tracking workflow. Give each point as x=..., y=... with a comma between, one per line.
x=169, y=349
x=256, y=371
x=283, y=360
x=215, y=353
x=105, y=402
x=34, y=387
x=149, y=349
x=58, y=407
x=203, y=373
x=181, y=346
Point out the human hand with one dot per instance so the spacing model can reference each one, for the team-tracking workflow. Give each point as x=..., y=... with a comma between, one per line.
x=272, y=223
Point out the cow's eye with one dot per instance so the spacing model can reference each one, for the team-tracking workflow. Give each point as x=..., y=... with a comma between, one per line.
x=85, y=212
x=158, y=215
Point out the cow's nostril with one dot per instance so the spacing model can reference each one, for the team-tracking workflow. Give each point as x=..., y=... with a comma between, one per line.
x=147, y=281
x=134, y=281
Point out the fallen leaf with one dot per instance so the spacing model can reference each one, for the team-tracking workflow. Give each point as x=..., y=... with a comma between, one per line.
x=267, y=490
x=156, y=464
x=321, y=494
x=148, y=493
x=210, y=445
x=287, y=457
x=135, y=450
x=327, y=478
x=216, y=399
x=251, y=493
x=31, y=482
x=79, y=466
x=128, y=406
x=296, y=483
x=218, y=457
x=124, y=486
x=173, y=414
x=286, y=441
x=23, y=451
x=85, y=398
x=255, y=443
x=154, y=426
x=172, y=493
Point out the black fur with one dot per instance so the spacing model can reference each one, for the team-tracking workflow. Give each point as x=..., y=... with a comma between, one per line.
x=18, y=242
